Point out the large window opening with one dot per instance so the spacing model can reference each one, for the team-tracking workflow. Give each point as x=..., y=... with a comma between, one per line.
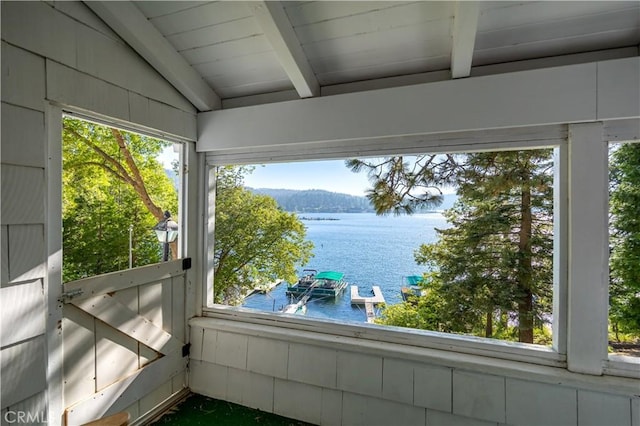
x=457, y=243
x=119, y=188
x=624, y=243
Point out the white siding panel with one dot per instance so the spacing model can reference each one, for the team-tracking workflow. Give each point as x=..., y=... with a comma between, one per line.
x=23, y=370
x=259, y=392
x=364, y=410
x=21, y=304
x=177, y=308
x=156, y=115
x=39, y=28
x=78, y=333
x=531, y=403
x=596, y=409
x=432, y=387
x=4, y=254
x=635, y=411
x=479, y=396
x=35, y=405
x=232, y=30
x=22, y=136
x=360, y=373
x=151, y=297
x=617, y=100
x=298, y=401
x=397, y=380
x=331, y=413
x=200, y=16
x=197, y=340
x=208, y=379
x=22, y=78
x=268, y=357
x=77, y=10
x=22, y=195
x=26, y=252
x=231, y=350
x=313, y=365
x=116, y=355
x=179, y=382
x=115, y=62
x=237, y=383
x=438, y=418
x=70, y=87
x=209, y=343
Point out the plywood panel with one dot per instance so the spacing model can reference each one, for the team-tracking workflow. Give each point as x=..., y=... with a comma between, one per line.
x=350, y=377
x=39, y=28
x=552, y=404
x=71, y=87
x=298, y=401
x=22, y=312
x=178, y=310
x=35, y=406
x=26, y=252
x=151, y=304
x=22, y=136
x=479, y=396
x=312, y=365
x=268, y=357
x=79, y=340
x=232, y=30
x=22, y=78
x=596, y=409
x=152, y=9
x=201, y=16
x=116, y=355
x=23, y=370
x=22, y=195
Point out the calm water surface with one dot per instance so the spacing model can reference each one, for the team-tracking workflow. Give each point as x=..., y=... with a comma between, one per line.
x=369, y=249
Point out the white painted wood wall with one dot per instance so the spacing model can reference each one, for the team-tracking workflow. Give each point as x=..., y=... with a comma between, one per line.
x=326, y=380
x=57, y=52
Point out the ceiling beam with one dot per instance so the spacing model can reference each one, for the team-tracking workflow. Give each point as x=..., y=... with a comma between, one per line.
x=134, y=28
x=465, y=26
x=276, y=26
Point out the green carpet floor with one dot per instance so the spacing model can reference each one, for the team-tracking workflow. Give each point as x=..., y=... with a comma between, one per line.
x=198, y=410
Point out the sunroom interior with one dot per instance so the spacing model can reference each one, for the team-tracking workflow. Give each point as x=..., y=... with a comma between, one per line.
x=268, y=81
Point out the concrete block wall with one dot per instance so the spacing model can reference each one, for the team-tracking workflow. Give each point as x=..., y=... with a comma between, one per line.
x=290, y=374
x=56, y=52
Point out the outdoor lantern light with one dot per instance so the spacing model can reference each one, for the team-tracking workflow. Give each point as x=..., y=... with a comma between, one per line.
x=167, y=232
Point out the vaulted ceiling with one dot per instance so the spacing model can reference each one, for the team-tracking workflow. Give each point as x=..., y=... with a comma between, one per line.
x=221, y=54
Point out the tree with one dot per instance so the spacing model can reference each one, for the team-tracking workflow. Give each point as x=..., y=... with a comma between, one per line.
x=495, y=260
x=624, y=292
x=255, y=241
x=111, y=181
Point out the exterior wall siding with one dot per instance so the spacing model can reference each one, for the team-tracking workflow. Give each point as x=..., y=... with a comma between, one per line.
x=58, y=52
x=312, y=382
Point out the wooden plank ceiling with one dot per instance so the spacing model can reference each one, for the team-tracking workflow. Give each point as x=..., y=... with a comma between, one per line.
x=297, y=49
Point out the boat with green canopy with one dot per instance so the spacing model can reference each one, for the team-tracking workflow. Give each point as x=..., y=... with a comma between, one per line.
x=318, y=284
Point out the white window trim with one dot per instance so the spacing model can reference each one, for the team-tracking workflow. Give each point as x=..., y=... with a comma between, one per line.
x=581, y=168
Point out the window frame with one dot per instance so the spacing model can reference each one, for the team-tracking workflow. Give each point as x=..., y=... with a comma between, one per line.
x=580, y=167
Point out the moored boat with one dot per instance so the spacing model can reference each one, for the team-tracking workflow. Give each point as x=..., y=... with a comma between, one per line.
x=318, y=284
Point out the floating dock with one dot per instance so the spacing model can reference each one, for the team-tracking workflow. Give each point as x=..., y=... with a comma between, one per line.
x=376, y=299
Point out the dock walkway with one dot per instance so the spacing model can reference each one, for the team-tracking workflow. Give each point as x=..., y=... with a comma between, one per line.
x=376, y=299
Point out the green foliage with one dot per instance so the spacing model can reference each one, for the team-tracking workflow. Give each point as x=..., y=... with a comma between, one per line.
x=255, y=241
x=624, y=293
x=104, y=173
x=495, y=261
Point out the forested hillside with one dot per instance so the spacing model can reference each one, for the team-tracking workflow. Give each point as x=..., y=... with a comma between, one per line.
x=319, y=201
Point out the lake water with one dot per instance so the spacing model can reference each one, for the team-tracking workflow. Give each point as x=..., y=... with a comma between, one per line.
x=370, y=250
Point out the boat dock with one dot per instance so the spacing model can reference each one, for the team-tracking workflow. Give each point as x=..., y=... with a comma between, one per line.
x=376, y=299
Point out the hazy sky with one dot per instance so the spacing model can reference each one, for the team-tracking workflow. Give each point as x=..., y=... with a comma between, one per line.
x=328, y=175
